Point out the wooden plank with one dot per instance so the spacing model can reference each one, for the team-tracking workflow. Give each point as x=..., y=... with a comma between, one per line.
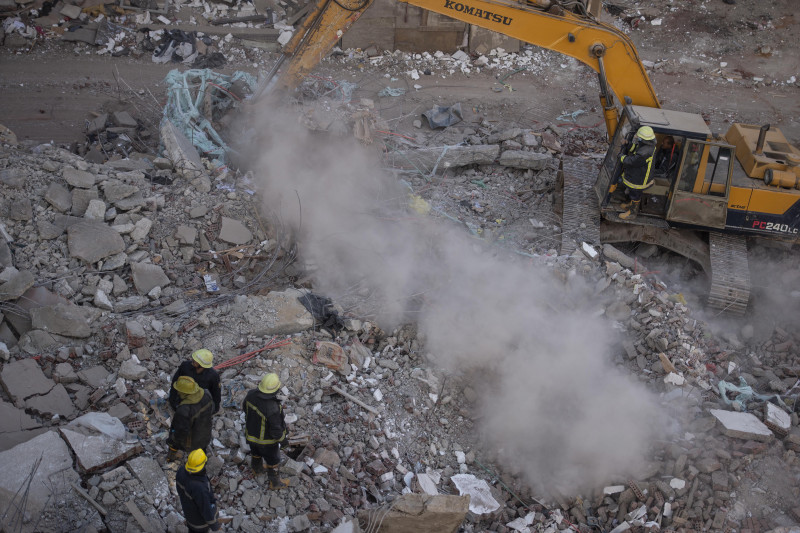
x=140, y=518
x=100, y=508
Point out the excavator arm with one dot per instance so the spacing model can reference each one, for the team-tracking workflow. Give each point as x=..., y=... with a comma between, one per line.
x=602, y=47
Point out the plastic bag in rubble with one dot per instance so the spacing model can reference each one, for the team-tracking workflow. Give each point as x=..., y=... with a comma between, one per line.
x=188, y=94
x=744, y=393
x=442, y=116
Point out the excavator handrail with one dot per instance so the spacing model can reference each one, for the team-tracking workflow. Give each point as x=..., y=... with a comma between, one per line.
x=603, y=47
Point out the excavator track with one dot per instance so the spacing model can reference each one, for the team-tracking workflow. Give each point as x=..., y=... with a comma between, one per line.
x=580, y=214
x=730, y=273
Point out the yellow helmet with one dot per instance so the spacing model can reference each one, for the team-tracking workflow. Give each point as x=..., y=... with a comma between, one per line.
x=196, y=461
x=646, y=133
x=186, y=385
x=203, y=358
x=269, y=383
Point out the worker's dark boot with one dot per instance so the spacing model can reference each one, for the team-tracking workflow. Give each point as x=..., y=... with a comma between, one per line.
x=173, y=455
x=275, y=481
x=257, y=463
x=632, y=211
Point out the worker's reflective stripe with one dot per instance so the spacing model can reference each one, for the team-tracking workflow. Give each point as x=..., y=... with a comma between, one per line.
x=184, y=491
x=645, y=184
x=203, y=409
x=260, y=439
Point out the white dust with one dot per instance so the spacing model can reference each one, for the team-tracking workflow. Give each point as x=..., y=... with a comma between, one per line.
x=551, y=404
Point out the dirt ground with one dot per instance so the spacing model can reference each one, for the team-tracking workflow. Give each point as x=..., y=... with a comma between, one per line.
x=50, y=91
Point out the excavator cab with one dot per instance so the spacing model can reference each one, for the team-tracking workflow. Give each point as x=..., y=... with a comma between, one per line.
x=690, y=177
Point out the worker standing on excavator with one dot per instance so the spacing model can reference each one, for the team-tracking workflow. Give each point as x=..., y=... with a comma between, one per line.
x=637, y=163
x=265, y=428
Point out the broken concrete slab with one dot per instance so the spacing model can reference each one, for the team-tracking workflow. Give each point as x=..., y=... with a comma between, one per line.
x=20, y=209
x=16, y=426
x=147, y=276
x=115, y=190
x=278, y=313
x=149, y=472
x=98, y=441
x=32, y=298
x=131, y=370
x=81, y=198
x=141, y=229
x=123, y=119
x=24, y=378
x=59, y=197
x=37, y=341
x=777, y=419
x=422, y=513
x=62, y=319
x=95, y=376
x=522, y=159
x=55, y=402
x=92, y=240
x=78, y=178
x=96, y=210
x=234, y=232
x=186, y=234
x=54, y=472
x=16, y=286
x=441, y=157
x=742, y=425
x=131, y=303
x=181, y=152
x=64, y=373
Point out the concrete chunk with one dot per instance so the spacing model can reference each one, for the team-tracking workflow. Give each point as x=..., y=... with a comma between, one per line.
x=422, y=513
x=124, y=119
x=777, y=419
x=234, y=232
x=96, y=210
x=59, y=197
x=442, y=157
x=23, y=379
x=132, y=371
x=81, y=198
x=149, y=472
x=16, y=426
x=55, y=402
x=95, y=376
x=147, y=276
x=742, y=425
x=115, y=190
x=278, y=313
x=522, y=159
x=180, y=151
x=78, y=178
x=62, y=319
x=18, y=283
x=96, y=451
x=92, y=240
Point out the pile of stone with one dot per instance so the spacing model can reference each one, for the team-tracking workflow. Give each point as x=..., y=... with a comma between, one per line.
x=110, y=278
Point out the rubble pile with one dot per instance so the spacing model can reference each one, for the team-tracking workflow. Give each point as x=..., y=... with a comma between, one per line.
x=111, y=277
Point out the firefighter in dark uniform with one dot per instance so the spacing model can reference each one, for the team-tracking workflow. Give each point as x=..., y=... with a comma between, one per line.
x=197, y=499
x=201, y=369
x=637, y=163
x=191, y=423
x=265, y=428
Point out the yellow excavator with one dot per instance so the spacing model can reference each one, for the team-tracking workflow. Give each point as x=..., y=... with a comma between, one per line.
x=702, y=206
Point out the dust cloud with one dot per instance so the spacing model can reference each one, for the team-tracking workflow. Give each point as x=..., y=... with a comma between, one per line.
x=552, y=407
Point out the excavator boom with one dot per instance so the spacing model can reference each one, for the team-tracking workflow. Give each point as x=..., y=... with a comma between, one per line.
x=602, y=47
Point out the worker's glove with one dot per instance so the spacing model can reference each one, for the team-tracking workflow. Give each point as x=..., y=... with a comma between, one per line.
x=172, y=455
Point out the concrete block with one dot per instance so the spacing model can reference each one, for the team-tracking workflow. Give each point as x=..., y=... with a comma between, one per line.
x=23, y=379
x=92, y=240
x=742, y=425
